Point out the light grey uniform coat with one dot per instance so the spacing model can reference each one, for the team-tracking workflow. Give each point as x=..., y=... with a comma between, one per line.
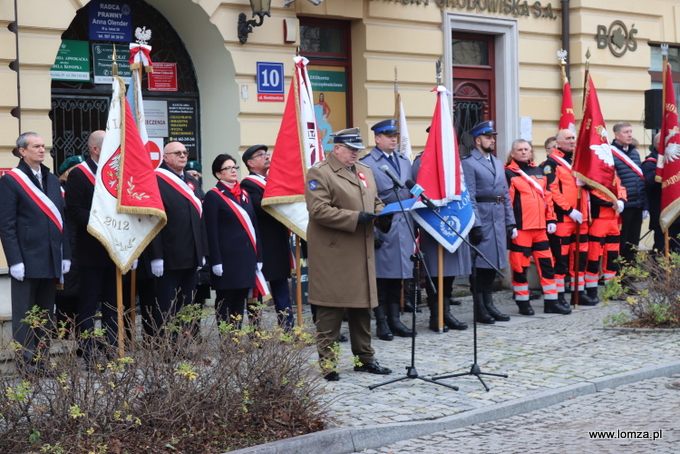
x=486, y=178
x=393, y=258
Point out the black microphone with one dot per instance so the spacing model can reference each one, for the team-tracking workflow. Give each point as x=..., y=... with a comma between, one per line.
x=418, y=191
x=392, y=176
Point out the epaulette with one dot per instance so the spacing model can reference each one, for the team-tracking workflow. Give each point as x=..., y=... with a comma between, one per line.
x=319, y=164
x=467, y=156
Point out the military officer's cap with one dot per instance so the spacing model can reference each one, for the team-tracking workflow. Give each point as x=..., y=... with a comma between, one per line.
x=349, y=137
x=388, y=126
x=70, y=162
x=248, y=154
x=484, y=128
x=194, y=165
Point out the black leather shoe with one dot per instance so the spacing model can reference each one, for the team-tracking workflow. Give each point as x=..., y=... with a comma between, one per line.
x=453, y=302
x=342, y=338
x=373, y=368
x=583, y=299
x=525, y=307
x=332, y=376
x=554, y=307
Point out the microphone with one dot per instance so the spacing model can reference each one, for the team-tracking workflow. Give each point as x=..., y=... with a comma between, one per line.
x=418, y=191
x=392, y=176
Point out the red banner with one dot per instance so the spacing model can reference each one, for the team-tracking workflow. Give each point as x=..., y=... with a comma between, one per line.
x=668, y=165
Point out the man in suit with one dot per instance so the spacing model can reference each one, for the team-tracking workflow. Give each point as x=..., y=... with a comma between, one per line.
x=35, y=240
x=494, y=218
x=393, y=249
x=180, y=248
x=273, y=236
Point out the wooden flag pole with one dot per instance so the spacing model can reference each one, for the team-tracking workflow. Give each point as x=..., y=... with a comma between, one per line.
x=121, y=309
x=440, y=287
x=664, y=53
x=133, y=303
x=298, y=280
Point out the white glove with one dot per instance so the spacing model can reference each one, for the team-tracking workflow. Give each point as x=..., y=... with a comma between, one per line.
x=65, y=266
x=134, y=264
x=619, y=204
x=645, y=214
x=579, y=183
x=514, y=234
x=576, y=216
x=18, y=271
x=552, y=228
x=157, y=267
x=203, y=261
x=259, y=266
x=217, y=270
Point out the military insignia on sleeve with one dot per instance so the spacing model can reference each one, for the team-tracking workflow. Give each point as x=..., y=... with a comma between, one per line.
x=547, y=170
x=313, y=184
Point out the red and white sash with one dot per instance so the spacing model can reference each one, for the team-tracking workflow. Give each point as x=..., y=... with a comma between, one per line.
x=40, y=198
x=247, y=225
x=561, y=161
x=534, y=184
x=258, y=180
x=87, y=171
x=180, y=186
x=626, y=160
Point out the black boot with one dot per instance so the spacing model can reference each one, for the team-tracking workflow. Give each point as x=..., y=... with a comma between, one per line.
x=583, y=299
x=453, y=302
x=491, y=309
x=482, y=315
x=395, y=324
x=525, y=308
x=450, y=320
x=591, y=292
x=433, y=304
x=555, y=307
x=381, y=329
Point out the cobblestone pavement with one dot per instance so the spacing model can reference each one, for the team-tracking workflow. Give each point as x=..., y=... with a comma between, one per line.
x=539, y=353
x=648, y=408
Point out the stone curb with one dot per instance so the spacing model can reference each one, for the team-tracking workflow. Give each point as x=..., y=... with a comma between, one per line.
x=354, y=439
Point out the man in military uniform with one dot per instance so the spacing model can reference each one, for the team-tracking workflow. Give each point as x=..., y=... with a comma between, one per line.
x=393, y=249
x=342, y=201
x=494, y=219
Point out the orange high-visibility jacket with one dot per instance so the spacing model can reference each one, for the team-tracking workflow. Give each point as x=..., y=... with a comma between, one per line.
x=531, y=209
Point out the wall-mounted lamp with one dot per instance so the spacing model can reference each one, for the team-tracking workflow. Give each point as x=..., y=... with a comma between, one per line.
x=260, y=8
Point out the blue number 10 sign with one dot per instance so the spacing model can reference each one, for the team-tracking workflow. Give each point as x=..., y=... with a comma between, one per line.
x=270, y=82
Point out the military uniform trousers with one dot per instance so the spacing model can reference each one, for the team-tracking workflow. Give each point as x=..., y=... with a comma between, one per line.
x=528, y=243
x=563, y=245
x=603, y=241
x=328, y=323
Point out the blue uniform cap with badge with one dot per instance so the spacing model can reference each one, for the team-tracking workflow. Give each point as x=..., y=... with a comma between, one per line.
x=349, y=137
x=388, y=127
x=484, y=128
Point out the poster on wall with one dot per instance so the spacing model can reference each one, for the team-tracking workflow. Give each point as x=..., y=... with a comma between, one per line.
x=110, y=21
x=102, y=60
x=329, y=85
x=156, y=118
x=72, y=61
x=182, y=125
x=163, y=77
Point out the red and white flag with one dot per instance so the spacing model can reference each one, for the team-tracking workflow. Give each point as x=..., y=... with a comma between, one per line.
x=404, y=144
x=127, y=210
x=593, y=159
x=668, y=164
x=297, y=148
x=567, y=118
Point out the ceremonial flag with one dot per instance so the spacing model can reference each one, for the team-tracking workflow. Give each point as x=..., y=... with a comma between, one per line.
x=668, y=164
x=567, y=118
x=404, y=144
x=593, y=159
x=127, y=210
x=297, y=148
x=441, y=177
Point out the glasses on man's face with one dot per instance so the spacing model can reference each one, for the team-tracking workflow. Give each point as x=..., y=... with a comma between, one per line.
x=259, y=155
x=351, y=149
x=229, y=168
x=178, y=153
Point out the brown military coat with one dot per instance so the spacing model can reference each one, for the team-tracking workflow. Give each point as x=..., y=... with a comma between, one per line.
x=341, y=255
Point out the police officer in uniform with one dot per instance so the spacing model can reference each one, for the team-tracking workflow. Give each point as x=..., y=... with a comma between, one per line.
x=393, y=249
x=494, y=218
x=342, y=201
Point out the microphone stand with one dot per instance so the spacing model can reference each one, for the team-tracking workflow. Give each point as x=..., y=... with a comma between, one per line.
x=474, y=369
x=417, y=257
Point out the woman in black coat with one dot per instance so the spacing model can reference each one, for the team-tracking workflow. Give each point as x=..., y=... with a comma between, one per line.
x=232, y=239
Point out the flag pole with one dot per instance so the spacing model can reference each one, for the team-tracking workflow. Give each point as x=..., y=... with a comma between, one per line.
x=664, y=54
x=440, y=287
x=396, y=94
x=298, y=280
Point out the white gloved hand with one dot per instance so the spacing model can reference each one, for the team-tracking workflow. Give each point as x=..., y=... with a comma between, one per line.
x=576, y=216
x=514, y=234
x=551, y=228
x=620, y=206
x=645, y=214
x=65, y=266
x=203, y=261
x=157, y=267
x=579, y=183
x=134, y=264
x=18, y=271
x=259, y=266
x=217, y=270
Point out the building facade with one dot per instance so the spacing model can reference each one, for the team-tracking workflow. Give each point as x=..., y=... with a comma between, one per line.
x=498, y=58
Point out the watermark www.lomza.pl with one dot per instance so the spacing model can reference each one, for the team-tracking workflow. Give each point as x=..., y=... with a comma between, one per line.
x=625, y=435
